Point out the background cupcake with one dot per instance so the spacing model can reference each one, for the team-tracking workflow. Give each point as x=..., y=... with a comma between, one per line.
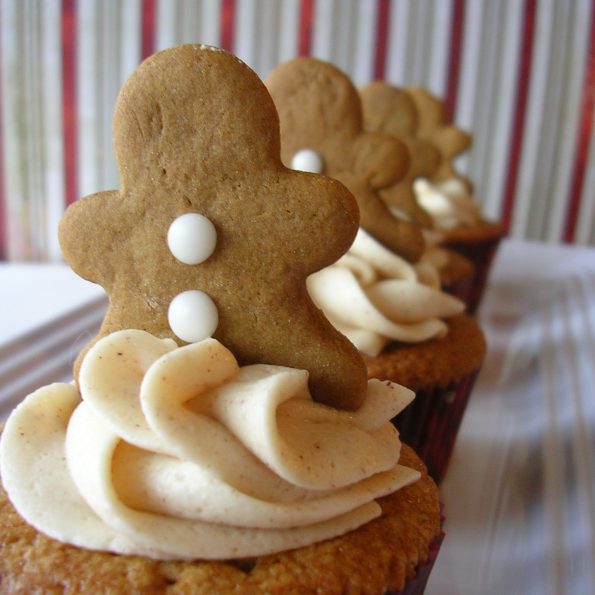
x=448, y=196
x=392, y=111
x=379, y=299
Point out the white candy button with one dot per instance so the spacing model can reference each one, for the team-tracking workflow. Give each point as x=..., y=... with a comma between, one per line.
x=193, y=316
x=191, y=238
x=307, y=160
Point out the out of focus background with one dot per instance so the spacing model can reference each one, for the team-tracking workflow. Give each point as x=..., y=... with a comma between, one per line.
x=518, y=74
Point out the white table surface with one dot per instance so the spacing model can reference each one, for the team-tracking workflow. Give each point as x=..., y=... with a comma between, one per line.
x=520, y=491
x=47, y=313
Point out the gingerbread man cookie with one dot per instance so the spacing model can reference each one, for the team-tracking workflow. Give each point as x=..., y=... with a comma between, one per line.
x=390, y=110
x=322, y=131
x=448, y=139
x=210, y=235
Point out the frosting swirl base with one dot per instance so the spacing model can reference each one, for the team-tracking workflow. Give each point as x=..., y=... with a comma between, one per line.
x=381, y=554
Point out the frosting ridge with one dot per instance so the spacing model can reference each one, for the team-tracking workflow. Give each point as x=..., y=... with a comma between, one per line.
x=374, y=296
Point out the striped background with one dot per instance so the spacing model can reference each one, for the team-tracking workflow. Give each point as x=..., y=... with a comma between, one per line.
x=518, y=74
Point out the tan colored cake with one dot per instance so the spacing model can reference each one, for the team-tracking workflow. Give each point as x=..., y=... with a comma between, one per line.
x=437, y=363
x=377, y=299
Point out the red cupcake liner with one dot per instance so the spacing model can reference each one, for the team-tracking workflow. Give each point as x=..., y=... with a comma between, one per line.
x=463, y=290
x=417, y=584
x=430, y=424
x=481, y=254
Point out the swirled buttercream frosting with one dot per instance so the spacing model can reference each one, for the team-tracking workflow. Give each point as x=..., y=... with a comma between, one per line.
x=449, y=203
x=179, y=453
x=374, y=296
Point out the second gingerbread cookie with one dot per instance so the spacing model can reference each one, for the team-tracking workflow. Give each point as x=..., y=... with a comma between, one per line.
x=321, y=116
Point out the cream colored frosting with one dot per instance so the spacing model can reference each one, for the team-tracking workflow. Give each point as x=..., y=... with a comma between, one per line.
x=448, y=203
x=178, y=453
x=374, y=296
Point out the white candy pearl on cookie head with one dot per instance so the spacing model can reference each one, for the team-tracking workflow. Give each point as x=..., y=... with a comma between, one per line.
x=191, y=238
x=193, y=316
x=307, y=160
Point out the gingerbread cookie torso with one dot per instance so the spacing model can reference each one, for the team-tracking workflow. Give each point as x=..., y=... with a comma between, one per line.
x=196, y=133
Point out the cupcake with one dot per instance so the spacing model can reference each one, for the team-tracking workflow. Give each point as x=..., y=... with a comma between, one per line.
x=390, y=110
x=377, y=296
x=448, y=196
x=220, y=435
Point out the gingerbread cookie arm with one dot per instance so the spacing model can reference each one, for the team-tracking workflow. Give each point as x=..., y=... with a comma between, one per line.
x=451, y=142
x=378, y=162
x=88, y=234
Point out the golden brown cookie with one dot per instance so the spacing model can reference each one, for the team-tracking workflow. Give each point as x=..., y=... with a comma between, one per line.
x=196, y=132
x=320, y=110
x=391, y=111
x=375, y=558
x=448, y=139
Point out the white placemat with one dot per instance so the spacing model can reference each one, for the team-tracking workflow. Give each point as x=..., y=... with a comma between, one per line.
x=47, y=314
x=520, y=492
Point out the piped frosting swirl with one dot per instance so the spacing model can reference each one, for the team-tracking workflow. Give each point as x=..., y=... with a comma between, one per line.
x=178, y=453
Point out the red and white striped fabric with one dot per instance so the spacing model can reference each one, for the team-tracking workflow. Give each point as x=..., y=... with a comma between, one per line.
x=518, y=74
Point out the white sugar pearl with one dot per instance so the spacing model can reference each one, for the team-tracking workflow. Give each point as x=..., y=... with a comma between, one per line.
x=193, y=316
x=307, y=160
x=191, y=238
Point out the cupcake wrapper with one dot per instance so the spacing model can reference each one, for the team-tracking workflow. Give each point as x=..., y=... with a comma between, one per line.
x=481, y=255
x=417, y=584
x=430, y=424
x=463, y=290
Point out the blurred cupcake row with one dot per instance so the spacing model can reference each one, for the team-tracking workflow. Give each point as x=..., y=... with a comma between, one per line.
x=406, y=291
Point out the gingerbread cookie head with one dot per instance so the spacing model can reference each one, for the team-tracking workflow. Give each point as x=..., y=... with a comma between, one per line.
x=448, y=139
x=390, y=110
x=322, y=130
x=210, y=235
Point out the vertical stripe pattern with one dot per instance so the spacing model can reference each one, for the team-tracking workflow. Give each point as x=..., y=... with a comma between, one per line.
x=518, y=74
x=3, y=208
x=70, y=118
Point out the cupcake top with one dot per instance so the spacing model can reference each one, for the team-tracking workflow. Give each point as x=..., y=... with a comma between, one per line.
x=374, y=294
x=445, y=194
x=218, y=414
x=392, y=111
